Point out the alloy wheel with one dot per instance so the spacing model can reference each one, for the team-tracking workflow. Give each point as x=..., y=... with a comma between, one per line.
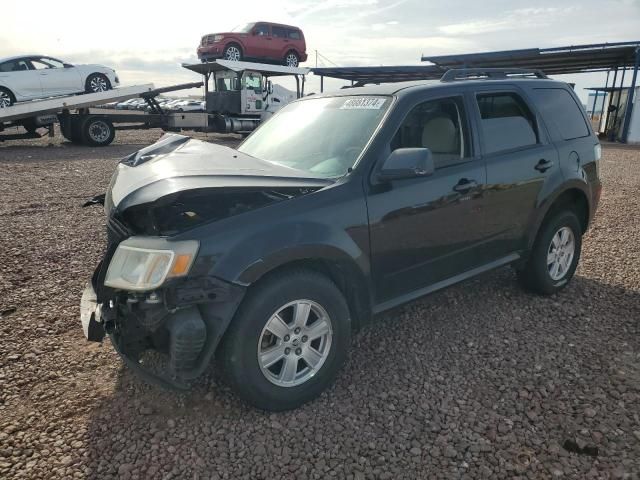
x=232, y=53
x=98, y=84
x=5, y=99
x=560, y=253
x=291, y=60
x=295, y=343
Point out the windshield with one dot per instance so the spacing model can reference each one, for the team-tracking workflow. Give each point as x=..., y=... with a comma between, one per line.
x=253, y=82
x=323, y=136
x=245, y=28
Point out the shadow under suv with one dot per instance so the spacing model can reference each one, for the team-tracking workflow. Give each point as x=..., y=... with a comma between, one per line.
x=339, y=207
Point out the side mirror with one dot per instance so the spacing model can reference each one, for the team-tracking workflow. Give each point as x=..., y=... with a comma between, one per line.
x=407, y=163
x=269, y=87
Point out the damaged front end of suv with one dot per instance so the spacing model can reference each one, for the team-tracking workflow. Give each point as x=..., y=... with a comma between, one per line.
x=156, y=288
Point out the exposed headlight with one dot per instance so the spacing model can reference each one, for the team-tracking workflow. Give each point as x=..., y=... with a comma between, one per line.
x=144, y=263
x=217, y=38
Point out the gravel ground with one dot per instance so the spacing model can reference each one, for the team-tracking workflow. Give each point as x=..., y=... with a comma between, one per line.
x=479, y=381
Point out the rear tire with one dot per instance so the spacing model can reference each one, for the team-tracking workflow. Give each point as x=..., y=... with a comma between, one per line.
x=291, y=59
x=97, y=132
x=7, y=98
x=555, y=254
x=289, y=381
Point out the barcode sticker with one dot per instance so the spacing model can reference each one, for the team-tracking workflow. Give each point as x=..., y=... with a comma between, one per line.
x=363, y=103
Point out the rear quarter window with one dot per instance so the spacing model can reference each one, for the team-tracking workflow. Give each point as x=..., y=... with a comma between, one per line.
x=293, y=34
x=561, y=112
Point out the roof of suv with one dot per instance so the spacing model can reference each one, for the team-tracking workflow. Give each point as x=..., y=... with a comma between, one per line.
x=399, y=88
x=279, y=25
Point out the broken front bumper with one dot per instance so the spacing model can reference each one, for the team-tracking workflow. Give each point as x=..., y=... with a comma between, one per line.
x=186, y=334
x=90, y=312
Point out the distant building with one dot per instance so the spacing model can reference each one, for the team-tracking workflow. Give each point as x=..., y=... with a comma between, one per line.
x=606, y=108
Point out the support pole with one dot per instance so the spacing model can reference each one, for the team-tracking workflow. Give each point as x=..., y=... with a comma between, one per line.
x=607, y=123
x=604, y=97
x=629, y=109
x=615, y=116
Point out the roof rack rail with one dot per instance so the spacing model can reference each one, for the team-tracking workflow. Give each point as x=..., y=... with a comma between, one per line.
x=490, y=74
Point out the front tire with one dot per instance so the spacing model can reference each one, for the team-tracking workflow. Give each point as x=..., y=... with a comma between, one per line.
x=97, y=82
x=287, y=341
x=555, y=254
x=232, y=52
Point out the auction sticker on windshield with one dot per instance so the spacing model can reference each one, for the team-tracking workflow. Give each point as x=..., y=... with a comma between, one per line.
x=363, y=103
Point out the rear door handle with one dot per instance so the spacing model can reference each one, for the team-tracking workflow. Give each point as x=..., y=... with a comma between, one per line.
x=543, y=165
x=464, y=185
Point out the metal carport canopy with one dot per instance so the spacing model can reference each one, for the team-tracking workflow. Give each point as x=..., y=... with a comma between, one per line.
x=382, y=74
x=552, y=61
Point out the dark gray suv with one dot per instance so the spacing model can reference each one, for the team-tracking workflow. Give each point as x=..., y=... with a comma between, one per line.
x=339, y=207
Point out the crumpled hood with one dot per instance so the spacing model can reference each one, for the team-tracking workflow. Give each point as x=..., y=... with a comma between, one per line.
x=177, y=163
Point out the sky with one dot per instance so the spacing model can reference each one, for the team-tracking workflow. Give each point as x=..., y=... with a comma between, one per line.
x=148, y=44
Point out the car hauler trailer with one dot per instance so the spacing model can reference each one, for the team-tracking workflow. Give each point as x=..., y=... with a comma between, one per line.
x=78, y=124
x=239, y=95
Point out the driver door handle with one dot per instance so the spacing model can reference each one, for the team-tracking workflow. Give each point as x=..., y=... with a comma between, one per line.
x=543, y=165
x=464, y=185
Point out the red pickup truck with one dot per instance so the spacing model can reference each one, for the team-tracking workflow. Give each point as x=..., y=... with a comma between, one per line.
x=259, y=41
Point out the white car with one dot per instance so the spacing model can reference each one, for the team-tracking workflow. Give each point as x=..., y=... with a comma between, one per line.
x=36, y=76
x=189, y=106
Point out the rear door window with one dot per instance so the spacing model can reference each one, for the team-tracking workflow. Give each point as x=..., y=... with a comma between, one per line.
x=14, y=66
x=507, y=123
x=559, y=108
x=279, y=32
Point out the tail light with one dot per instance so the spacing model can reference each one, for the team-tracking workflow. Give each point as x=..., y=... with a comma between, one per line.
x=597, y=153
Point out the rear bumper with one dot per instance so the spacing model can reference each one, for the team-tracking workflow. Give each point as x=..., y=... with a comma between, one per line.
x=184, y=330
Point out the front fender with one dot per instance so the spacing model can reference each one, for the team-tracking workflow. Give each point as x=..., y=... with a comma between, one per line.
x=269, y=249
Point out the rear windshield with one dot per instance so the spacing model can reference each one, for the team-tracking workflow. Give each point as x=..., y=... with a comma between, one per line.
x=321, y=136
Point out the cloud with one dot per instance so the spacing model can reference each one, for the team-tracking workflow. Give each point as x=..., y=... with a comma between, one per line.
x=523, y=18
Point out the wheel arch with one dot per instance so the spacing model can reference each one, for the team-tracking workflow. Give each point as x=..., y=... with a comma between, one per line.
x=235, y=42
x=8, y=89
x=342, y=270
x=91, y=74
x=573, y=196
x=288, y=49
